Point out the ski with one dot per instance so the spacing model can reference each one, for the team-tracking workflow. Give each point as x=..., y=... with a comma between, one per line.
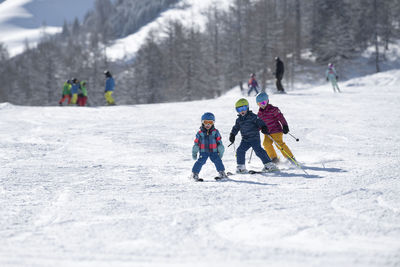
x=219, y=179
x=255, y=172
x=258, y=172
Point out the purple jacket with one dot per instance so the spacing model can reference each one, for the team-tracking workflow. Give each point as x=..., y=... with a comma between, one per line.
x=252, y=83
x=273, y=118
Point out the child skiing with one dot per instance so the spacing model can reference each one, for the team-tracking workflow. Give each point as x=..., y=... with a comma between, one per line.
x=109, y=88
x=277, y=126
x=252, y=84
x=74, y=91
x=249, y=124
x=208, y=143
x=82, y=94
x=66, y=93
x=332, y=76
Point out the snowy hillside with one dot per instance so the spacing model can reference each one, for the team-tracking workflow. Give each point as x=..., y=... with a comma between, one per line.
x=24, y=19
x=188, y=11
x=108, y=186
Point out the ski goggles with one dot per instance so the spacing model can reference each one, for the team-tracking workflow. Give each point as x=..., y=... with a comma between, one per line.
x=208, y=122
x=263, y=103
x=242, y=108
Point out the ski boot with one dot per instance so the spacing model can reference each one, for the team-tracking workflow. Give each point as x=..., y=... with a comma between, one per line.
x=196, y=178
x=275, y=160
x=270, y=167
x=241, y=169
x=221, y=176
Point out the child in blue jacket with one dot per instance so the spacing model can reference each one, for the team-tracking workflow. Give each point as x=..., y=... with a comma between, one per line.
x=249, y=125
x=208, y=142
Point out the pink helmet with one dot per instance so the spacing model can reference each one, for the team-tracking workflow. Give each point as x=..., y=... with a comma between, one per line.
x=330, y=65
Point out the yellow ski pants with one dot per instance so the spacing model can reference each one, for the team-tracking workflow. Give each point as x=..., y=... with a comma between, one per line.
x=268, y=145
x=109, y=98
x=74, y=99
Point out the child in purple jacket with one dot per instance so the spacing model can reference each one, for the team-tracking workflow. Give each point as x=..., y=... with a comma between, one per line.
x=277, y=126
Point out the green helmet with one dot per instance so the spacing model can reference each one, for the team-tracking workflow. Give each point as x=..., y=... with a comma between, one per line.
x=241, y=102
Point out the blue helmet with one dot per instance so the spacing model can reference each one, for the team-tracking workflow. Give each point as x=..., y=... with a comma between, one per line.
x=262, y=97
x=208, y=116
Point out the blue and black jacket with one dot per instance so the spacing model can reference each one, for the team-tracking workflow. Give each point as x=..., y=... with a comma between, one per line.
x=249, y=126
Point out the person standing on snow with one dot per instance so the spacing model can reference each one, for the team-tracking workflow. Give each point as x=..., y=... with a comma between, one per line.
x=208, y=142
x=66, y=93
x=82, y=94
x=279, y=70
x=332, y=76
x=252, y=84
x=277, y=126
x=249, y=124
x=74, y=91
x=109, y=88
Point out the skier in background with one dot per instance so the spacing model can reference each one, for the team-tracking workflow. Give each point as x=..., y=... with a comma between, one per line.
x=66, y=94
x=279, y=70
x=82, y=94
x=249, y=124
x=277, y=126
x=252, y=84
x=208, y=142
x=332, y=76
x=74, y=91
x=109, y=88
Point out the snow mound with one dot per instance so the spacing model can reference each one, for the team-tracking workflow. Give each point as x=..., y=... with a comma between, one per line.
x=6, y=105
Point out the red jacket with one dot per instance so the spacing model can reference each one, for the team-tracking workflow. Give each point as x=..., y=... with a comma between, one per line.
x=273, y=118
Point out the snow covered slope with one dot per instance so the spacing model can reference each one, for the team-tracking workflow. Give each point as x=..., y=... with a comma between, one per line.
x=108, y=186
x=187, y=11
x=24, y=19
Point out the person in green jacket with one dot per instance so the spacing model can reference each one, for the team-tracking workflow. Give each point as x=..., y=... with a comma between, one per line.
x=66, y=93
x=82, y=94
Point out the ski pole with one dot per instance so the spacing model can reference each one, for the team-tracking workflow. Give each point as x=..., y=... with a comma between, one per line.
x=297, y=139
x=293, y=160
x=234, y=147
x=251, y=154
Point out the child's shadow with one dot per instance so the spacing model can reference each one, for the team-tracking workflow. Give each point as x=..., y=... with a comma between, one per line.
x=323, y=169
x=249, y=182
x=303, y=175
x=230, y=180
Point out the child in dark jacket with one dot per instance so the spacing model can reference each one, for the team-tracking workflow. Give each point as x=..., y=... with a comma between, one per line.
x=208, y=142
x=277, y=126
x=249, y=124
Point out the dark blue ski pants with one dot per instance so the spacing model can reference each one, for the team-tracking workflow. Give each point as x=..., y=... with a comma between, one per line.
x=251, y=90
x=256, y=145
x=203, y=158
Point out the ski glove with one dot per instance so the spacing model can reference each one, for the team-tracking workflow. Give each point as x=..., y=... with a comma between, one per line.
x=264, y=130
x=221, y=150
x=195, y=150
x=285, y=129
x=232, y=138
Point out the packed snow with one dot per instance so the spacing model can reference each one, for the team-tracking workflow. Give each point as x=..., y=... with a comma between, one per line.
x=108, y=186
x=29, y=20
